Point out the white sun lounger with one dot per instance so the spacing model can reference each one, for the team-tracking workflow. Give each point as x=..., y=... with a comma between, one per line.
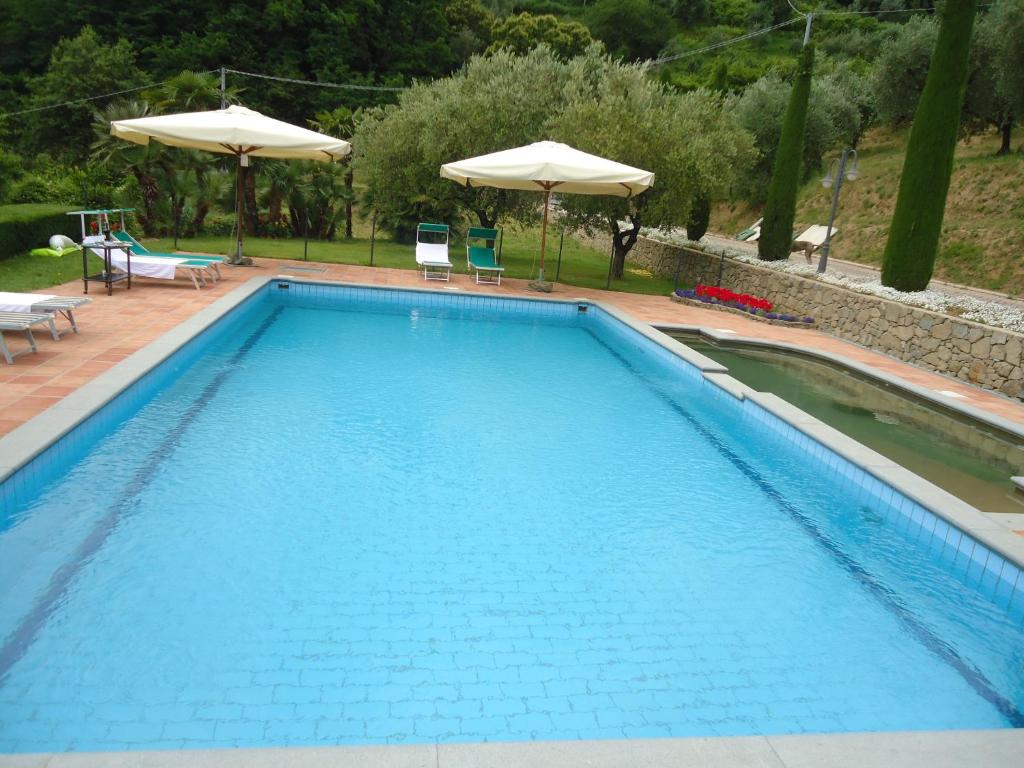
x=433, y=257
x=39, y=302
x=158, y=267
x=23, y=321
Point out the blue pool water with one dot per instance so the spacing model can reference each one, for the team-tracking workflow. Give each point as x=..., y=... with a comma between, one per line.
x=373, y=523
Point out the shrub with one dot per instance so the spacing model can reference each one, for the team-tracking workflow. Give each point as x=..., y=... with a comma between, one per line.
x=24, y=227
x=700, y=215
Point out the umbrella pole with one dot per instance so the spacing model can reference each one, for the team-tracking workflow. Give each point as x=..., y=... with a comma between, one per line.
x=238, y=213
x=544, y=234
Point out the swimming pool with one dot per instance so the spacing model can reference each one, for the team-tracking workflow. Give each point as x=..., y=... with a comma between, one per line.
x=358, y=516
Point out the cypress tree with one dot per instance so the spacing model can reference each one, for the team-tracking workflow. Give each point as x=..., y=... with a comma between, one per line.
x=913, y=242
x=780, y=207
x=700, y=216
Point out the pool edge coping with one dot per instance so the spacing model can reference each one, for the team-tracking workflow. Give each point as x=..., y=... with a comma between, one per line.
x=917, y=390
x=997, y=748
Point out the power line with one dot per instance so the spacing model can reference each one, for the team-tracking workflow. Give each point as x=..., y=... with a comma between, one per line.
x=766, y=30
x=320, y=83
x=89, y=98
x=740, y=39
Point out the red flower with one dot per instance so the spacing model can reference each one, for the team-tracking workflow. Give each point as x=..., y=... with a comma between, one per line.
x=725, y=296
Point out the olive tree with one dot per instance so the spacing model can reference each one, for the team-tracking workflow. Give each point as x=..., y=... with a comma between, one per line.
x=840, y=109
x=617, y=111
x=493, y=103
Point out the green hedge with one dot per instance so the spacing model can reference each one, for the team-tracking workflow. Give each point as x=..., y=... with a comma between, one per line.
x=28, y=226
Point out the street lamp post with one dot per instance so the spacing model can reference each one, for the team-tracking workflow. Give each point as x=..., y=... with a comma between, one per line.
x=849, y=156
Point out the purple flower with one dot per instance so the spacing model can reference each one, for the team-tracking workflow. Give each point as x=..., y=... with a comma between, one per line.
x=808, y=319
x=771, y=316
x=787, y=318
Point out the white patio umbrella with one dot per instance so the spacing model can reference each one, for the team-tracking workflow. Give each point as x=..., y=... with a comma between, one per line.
x=548, y=165
x=234, y=131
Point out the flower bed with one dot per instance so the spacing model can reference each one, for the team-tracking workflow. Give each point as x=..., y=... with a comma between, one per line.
x=754, y=307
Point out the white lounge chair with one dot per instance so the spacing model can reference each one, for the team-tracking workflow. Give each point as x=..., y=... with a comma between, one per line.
x=158, y=267
x=23, y=321
x=433, y=257
x=39, y=302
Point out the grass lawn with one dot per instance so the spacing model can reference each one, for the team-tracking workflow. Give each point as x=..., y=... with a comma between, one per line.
x=30, y=273
x=581, y=265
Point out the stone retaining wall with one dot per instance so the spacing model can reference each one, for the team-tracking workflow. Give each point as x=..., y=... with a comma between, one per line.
x=986, y=356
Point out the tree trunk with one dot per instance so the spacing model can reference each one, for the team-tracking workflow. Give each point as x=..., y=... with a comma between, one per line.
x=623, y=241
x=487, y=220
x=150, y=193
x=348, y=203
x=251, y=207
x=1006, y=129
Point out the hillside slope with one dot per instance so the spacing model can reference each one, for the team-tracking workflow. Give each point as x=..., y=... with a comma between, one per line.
x=983, y=231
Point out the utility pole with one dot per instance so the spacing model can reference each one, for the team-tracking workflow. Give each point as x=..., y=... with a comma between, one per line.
x=224, y=80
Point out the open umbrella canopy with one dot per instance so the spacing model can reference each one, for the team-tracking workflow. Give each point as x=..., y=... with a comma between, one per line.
x=234, y=131
x=549, y=165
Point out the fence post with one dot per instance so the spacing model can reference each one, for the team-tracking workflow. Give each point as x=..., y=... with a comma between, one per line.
x=373, y=235
x=611, y=258
x=558, y=269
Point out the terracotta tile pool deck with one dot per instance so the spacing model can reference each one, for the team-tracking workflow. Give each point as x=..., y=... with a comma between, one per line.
x=113, y=327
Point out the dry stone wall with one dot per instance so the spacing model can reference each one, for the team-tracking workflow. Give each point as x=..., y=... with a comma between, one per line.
x=986, y=356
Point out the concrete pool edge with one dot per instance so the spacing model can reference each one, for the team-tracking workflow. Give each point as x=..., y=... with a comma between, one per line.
x=917, y=749
x=931, y=396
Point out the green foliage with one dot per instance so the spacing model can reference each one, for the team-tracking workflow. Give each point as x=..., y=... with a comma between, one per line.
x=780, y=206
x=630, y=29
x=840, y=110
x=11, y=169
x=24, y=227
x=1007, y=16
x=524, y=32
x=689, y=12
x=470, y=23
x=902, y=69
x=699, y=218
x=732, y=13
x=917, y=221
x=687, y=140
x=495, y=102
x=85, y=65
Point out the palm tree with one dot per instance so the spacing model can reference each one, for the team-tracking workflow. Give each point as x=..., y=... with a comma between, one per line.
x=341, y=122
x=146, y=164
x=192, y=92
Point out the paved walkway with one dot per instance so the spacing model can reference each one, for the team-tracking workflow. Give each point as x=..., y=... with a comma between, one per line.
x=113, y=327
